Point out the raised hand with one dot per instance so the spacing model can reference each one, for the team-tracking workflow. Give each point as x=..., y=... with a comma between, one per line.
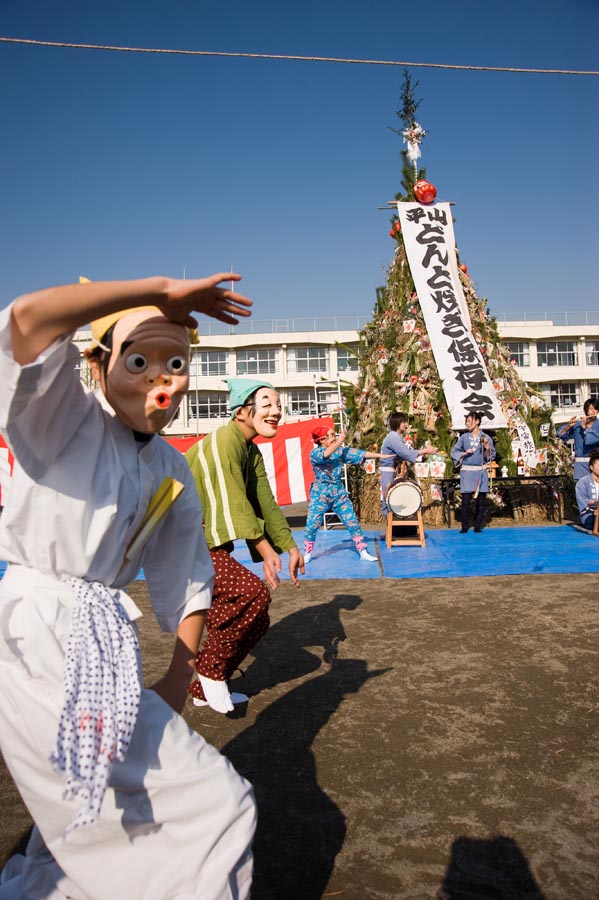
x=206, y=296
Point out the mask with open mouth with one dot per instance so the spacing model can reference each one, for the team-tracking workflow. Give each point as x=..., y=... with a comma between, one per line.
x=148, y=370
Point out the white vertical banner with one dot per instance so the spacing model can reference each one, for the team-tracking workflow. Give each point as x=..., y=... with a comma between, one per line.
x=430, y=246
x=527, y=443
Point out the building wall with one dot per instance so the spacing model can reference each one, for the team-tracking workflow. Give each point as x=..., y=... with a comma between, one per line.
x=562, y=360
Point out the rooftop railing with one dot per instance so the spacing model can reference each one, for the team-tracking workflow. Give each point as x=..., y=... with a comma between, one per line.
x=566, y=317
x=286, y=326
x=357, y=323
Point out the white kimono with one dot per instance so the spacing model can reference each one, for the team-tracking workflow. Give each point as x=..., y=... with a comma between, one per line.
x=177, y=821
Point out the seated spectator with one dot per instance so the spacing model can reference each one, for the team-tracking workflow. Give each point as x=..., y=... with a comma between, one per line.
x=587, y=492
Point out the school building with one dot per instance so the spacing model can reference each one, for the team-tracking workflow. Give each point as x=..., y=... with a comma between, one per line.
x=308, y=360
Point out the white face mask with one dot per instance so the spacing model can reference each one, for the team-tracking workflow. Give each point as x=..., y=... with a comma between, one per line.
x=265, y=420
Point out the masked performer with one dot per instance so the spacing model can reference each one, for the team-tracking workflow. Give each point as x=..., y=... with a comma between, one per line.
x=152, y=810
x=238, y=503
x=470, y=455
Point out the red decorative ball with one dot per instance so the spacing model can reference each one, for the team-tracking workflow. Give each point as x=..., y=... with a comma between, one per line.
x=464, y=268
x=425, y=192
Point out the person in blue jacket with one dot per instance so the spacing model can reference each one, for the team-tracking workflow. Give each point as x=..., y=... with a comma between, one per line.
x=471, y=455
x=585, y=434
x=396, y=450
x=587, y=492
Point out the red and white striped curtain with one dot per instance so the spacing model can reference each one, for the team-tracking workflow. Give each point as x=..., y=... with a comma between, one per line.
x=286, y=457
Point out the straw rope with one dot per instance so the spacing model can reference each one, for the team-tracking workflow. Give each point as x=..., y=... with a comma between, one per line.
x=284, y=56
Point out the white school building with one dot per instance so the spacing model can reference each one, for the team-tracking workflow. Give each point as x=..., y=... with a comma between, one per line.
x=307, y=359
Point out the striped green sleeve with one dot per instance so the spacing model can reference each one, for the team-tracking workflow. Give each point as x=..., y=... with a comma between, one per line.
x=217, y=463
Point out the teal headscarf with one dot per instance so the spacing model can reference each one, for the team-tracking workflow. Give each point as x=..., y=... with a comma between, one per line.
x=242, y=388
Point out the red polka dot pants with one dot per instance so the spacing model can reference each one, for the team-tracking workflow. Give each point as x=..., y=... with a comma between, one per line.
x=236, y=621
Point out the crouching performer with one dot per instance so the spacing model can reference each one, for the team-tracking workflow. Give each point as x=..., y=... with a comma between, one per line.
x=151, y=809
x=238, y=503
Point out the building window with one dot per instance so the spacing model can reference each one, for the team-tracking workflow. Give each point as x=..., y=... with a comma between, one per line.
x=327, y=401
x=306, y=359
x=557, y=353
x=519, y=352
x=208, y=405
x=301, y=403
x=594, y=389
x=561, y=395
x=347, y=359
x=208, y=363
x=592, y=353
x=257, y=362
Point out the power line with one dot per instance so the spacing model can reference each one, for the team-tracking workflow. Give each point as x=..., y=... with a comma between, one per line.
x=283, y=56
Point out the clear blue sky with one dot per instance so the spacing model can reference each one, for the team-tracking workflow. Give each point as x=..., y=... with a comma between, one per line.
x=123, y=165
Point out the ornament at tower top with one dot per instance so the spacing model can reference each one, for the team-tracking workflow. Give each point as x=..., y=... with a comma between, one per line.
x=425, y=192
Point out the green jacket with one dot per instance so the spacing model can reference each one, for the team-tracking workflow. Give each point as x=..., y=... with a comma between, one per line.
x=234, y=491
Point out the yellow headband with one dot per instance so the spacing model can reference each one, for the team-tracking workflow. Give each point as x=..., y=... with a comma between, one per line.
x=100, y=326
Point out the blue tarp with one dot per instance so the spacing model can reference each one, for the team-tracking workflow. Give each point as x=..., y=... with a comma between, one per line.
x=448, y=554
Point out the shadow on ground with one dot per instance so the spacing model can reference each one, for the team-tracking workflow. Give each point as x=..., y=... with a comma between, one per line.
x=433, y=739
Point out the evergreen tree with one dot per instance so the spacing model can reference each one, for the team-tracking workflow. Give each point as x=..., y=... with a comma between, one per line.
x=398, y=370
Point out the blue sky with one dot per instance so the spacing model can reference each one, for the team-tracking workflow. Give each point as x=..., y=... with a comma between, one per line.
x=124, y=165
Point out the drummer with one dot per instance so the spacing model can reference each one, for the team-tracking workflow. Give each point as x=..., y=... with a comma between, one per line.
x=395, y=445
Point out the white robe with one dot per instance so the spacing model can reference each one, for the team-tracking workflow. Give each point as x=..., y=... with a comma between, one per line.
x=178, y=820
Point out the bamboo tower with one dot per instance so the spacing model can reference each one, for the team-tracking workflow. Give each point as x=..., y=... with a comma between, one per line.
x=398, y=370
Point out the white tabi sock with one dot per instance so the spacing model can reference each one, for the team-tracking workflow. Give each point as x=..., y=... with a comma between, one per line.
x=217, y=694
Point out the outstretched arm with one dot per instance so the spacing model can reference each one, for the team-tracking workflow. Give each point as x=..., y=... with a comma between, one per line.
x=173, y=686
x=40, y=318
x=563, y=431
x=271, y=561
x=296, y=563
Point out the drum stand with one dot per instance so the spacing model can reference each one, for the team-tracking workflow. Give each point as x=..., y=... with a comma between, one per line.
x=412, y=540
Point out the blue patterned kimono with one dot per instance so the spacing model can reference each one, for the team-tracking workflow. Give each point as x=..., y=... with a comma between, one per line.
x=328, y=492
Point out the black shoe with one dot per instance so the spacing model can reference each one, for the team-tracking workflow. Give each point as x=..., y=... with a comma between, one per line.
x=477, y=530
x=463, y=530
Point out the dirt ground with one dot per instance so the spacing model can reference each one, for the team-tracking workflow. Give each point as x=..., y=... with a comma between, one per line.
x=414, y=739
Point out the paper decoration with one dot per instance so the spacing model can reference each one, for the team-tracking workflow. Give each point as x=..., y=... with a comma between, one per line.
x=437, y=466
x=370, y=466
x=422, y=469
x=436, y=493
x=413, y=137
